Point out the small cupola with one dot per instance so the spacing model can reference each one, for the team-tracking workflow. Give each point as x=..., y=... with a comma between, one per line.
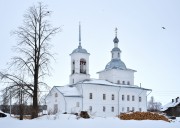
x=116, y=51
x=116, y=62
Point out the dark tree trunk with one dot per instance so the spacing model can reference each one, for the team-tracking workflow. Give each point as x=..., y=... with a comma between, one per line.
x=35, y=96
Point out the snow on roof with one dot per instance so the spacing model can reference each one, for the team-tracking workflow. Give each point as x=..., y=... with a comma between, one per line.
x=105, y=82
x=72, y=91
x=171, y=104
x=68, y=90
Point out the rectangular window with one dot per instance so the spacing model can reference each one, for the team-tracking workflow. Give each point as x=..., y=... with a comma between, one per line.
x=133, y=98
x=127, y=109
x=112, y=109
x=133, y=109
x=140, y=99
x=77, y=104
x=122, y=109
x=104, y=96
x=112, y=96
x=128, y=98
x=104, y=108
x=123, y=82
x=122, y=97
x=55, y=108
x=140, y=109
x=56, y=95
x=90, y=108
x=90, y=96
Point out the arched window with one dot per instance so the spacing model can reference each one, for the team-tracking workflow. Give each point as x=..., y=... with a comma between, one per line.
x=56, y=95
x=73, y=67
x=112, y=96
x=118, y=82
x=112, y=109
x=83, y=66
x=104, y=108
x=118, y=55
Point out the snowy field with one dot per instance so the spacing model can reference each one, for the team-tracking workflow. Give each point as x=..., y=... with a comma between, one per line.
x=70, y=121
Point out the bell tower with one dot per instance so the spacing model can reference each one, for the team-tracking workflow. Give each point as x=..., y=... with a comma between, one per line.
x=79, y=63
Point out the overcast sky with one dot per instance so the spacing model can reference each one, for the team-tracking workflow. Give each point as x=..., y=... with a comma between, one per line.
x=146, y=47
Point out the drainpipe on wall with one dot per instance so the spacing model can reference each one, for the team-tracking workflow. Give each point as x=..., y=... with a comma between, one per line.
x=65, y=104
x=146, y=98
x=138, y=97
x=118, y=98
x=82, y=96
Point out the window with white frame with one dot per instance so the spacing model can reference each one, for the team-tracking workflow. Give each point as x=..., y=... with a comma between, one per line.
x=55, y=108
x=133, y=109
x=104, y=108
x=140, y=99
x=90, y=96
x=133, y=99
x=122, y=97
x=122, y=109
x=90, y=108
x=127, y=109
x=128, y=98
x=112, y=109
x=56, y=95
x=140, y=109
x=112, y=96
x=104, y=96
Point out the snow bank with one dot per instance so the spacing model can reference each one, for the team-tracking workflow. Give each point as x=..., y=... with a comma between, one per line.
x=70, y=121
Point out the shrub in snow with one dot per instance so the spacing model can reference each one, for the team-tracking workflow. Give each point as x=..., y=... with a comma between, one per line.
x=84, y=114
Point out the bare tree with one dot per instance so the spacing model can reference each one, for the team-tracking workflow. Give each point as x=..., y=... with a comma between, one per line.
x=32, y=63
x=154, y=106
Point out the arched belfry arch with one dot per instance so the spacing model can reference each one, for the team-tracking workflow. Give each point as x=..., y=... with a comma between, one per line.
x=83, y=66
x=73, y=66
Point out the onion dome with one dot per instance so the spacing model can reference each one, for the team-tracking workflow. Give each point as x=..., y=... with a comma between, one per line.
x=115, y=64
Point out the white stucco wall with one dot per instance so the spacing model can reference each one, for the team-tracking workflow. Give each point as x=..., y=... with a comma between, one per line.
x=123, y=104
x=77, y=76
x=97, y=101
x=74, y=78
x=51, y=100
x=69, y=104
x=114, y=75
x=72, y=104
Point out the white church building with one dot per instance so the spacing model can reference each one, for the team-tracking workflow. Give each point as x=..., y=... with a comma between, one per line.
x=113, y=93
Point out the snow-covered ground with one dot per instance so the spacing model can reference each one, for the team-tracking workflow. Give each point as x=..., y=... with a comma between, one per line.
x=70, y=121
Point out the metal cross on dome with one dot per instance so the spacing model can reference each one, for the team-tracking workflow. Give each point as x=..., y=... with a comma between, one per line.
x=116, y=32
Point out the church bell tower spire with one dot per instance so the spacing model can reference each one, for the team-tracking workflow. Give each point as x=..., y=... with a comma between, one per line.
x=80, y=35
x=79, y=63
